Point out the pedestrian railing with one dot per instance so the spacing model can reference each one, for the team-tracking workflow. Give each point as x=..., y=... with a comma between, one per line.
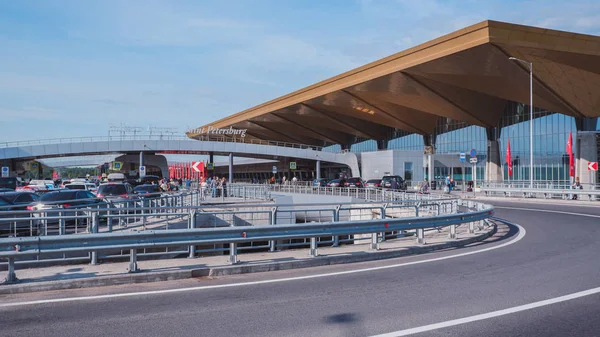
x=349, y=222
x=567, y=193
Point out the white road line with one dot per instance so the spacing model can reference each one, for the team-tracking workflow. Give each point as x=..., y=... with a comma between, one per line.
x=549, y=211
x=492, y=314
x=519, y=237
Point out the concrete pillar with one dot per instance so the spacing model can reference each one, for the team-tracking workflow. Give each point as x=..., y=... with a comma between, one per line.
x=493, y=165
x=318, y=169
x=429, y=152
x=141, y=158
x=231, y=168
x=211, y=159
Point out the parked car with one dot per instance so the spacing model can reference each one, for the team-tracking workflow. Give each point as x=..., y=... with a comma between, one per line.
x=336, y=183
x=8, y=182
x=20, y=200
x=373, y=183
x=82, y=186
x=148, y=191
x=320, y=182
x=116, y=191
x=66, y=199
x=148, y=180
x=386, y=182
x=354, y=182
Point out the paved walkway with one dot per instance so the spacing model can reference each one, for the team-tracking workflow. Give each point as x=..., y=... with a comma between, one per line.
x=164, y=269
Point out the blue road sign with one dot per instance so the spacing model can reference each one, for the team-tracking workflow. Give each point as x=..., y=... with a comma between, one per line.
x=473, y=153
x=5, y=171
x=463, y=157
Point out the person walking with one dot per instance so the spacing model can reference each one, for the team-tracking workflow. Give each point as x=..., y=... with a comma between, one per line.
x=448, y=184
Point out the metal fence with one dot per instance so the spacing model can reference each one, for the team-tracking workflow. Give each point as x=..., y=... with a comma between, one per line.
x=344, y=222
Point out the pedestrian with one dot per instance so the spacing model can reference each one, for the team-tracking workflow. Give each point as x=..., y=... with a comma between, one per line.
x=576, y=186
x=394, y=184
x=448, y=184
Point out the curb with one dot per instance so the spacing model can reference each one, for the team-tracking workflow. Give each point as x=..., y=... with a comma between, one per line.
x=150, y=276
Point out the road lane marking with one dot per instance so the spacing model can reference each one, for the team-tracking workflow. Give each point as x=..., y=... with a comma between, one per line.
x=519, y=237
x=549, y=211
x=492, y=314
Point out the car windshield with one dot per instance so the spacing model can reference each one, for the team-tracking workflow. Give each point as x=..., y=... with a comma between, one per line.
x=389, y=179
x=75, y=187
x=59, y=196
x=373, y=181
x=112, y=190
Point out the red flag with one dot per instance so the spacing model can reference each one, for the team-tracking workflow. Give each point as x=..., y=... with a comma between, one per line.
x=509, y=159
x=571, y=157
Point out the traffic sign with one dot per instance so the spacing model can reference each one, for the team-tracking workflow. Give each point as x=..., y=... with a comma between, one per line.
x=142, y=171
x=593, y=166
x=34, y=166
x=473, y=153
x=210, y=166
x=473, y=160
x=117, y=165
x=463, y=157
x=196, y=166
x=5, y=171
x=292, y=165
x=274, y=169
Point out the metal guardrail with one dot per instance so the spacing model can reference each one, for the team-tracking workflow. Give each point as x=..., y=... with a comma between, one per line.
x=13, y=248
x=567, y=193
x=538, y=185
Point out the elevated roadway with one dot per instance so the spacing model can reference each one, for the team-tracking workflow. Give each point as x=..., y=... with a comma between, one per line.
x=69, y=147
x=491, y=289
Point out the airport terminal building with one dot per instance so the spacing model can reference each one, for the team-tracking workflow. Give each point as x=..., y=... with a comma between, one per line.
x=414, y=112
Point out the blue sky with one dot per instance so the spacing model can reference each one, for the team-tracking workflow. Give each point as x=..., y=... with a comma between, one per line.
x=69, y=68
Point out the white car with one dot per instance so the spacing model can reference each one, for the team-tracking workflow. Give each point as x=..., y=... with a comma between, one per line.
x=82, y=186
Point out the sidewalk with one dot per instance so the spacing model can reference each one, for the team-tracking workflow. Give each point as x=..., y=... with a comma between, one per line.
x=85, y=275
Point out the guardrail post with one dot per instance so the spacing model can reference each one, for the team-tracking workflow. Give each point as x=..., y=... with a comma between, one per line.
x=336, y=218
x=383, y=216
x=233, y=258
x=375, y=241
x=314, y=250
x=61, y=223
x=94, y=230
x=273, y=220
x=452, y=234
x=192, y=225
x=421, y=236
x=471, y=227
x=12, y=276
x=133, y=267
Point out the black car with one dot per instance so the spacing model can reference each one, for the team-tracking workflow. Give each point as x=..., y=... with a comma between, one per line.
x=116, y=191
x=20, y=200
x=148, y=190
x=8, y=182
x=148, y=180
x=16, y=201
x=67, y=199
x=386, y=182
x=354, y=182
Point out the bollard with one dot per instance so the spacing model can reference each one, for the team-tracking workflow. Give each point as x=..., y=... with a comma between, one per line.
x=233, y=258
x=133, y=267
x=11, y=277
x=421, y=236
x=314, y=250
x=374, y=241
x=192, y=225
x=383, y=216
x=452, y=234
x=94, y=230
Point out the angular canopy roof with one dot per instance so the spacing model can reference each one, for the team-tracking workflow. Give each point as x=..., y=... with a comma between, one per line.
x=465, y=75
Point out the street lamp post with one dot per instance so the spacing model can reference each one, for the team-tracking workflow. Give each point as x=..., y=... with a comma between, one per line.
x=530, y=117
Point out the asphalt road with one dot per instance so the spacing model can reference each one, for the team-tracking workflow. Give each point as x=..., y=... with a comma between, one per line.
x=557, y=256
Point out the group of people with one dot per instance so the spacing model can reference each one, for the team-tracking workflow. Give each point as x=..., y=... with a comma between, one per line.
x=214, y=185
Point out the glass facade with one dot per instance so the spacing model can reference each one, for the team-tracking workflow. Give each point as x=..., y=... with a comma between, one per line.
x=550, y=133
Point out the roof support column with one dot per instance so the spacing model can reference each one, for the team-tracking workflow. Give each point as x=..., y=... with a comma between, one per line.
x=428, y=153
x=230, y=168
x=493, y=165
